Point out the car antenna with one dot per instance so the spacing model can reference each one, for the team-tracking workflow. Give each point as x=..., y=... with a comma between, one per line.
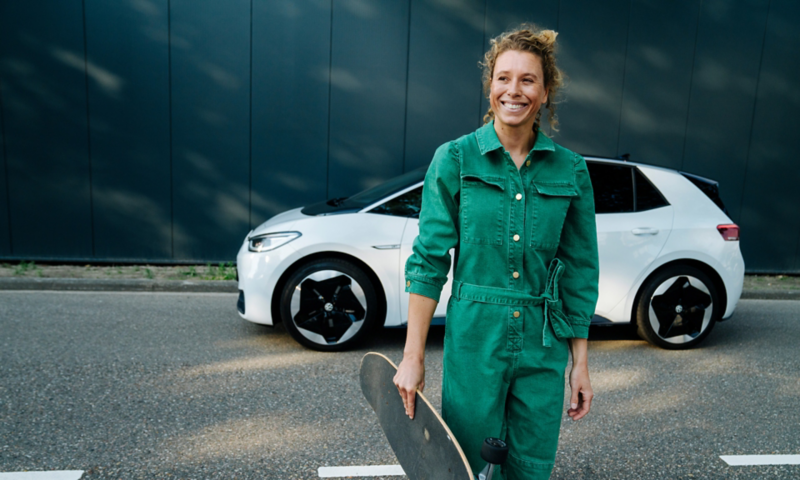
x=626, y=157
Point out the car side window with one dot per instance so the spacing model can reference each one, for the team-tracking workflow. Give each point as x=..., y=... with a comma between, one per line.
x=613, y=187
x=647, y=196
x=405, y=205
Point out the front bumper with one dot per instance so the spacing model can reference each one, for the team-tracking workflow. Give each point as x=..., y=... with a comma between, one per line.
x=259, y=273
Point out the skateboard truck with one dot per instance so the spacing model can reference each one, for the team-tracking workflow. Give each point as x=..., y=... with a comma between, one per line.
x=494, y=451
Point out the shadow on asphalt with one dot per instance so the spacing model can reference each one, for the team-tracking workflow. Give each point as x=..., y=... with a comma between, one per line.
x=396, y=337
x=613, y=332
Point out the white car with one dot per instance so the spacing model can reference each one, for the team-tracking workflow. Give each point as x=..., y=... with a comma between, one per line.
x=333, y=271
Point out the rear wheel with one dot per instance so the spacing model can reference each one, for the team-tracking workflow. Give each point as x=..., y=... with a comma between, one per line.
x=329, y=304
x=677, y=308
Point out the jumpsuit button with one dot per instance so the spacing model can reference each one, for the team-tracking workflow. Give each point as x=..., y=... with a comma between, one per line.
x=516, y=274
x=516, y=314
x=408, y=283
x=519, y=196
x=528, y=163
x=516, y=238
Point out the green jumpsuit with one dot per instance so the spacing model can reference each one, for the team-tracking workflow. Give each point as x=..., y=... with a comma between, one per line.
x=525, y=280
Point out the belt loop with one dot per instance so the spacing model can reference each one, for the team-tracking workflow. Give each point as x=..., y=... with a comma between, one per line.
x=545, y=336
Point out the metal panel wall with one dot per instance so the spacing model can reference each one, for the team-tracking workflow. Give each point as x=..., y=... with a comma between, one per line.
x=723, y=94
x=368, y=94
x=5, y=225
x=44, y=110
x=446, y=43
x=128, y=70
x=210, y=44
x=591, y=104
x=205, y=118
x=290, y=105
x=770, y=222
x=658, y=74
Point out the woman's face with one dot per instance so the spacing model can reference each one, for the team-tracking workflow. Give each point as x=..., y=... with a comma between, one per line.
x=517, y=89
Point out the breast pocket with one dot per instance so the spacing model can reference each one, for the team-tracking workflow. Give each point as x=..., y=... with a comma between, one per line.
x=550, y=205
x=483, y=207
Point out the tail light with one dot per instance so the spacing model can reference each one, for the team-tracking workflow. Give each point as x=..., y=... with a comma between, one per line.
x=729, y=232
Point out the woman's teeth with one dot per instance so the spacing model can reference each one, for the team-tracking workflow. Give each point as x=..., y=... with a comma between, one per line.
x=514, y=106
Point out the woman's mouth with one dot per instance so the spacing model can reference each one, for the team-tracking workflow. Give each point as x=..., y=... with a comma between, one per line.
x=514, y=106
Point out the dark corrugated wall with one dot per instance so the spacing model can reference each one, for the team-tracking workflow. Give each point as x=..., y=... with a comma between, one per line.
x=163, y=130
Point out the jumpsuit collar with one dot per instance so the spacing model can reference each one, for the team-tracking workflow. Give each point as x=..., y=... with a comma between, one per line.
x=488, y=141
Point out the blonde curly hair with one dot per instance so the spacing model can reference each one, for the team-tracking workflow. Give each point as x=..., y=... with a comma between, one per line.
x=526, y=38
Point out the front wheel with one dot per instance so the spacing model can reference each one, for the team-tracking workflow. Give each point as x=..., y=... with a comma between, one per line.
x=677, y=307
x=329, y=304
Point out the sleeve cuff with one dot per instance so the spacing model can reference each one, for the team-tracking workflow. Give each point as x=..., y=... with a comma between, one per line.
x=579, y=327
x=425, y=289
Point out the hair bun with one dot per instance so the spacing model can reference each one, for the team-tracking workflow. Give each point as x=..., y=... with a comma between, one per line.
x=548, y=36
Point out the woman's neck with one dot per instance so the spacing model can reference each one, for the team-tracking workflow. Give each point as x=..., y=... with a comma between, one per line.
x=517, y=140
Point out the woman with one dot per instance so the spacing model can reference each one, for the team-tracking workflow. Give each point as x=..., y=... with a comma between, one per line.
x=519, y=211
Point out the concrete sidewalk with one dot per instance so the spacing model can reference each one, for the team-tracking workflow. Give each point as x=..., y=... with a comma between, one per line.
x=230, y=286
x=118, y=285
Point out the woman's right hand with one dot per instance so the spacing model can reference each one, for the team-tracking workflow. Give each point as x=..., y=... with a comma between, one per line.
x=410, y=377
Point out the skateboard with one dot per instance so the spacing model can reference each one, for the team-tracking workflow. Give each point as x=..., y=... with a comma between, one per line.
x=424, y=446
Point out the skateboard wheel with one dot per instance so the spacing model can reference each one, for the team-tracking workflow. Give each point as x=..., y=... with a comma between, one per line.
x=494, y=451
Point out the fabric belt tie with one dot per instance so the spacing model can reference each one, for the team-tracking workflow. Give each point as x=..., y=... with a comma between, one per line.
x=505, y=296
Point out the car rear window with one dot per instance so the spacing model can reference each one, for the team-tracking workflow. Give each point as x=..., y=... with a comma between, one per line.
x=613, y=187
x=622, y=189
x=709, y=187
x=647, y=195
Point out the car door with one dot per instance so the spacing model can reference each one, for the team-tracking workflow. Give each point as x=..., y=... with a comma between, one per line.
x=409, y=204
x=633, y=224
x=410, y=233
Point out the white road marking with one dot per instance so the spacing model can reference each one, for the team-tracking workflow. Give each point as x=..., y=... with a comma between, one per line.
x=741, y=460
x=360, y=471
x=51, y=475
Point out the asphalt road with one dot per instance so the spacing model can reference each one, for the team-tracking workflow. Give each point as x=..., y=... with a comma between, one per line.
x=169, y=385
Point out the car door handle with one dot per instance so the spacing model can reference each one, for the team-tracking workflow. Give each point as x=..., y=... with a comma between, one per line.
x=645, y=231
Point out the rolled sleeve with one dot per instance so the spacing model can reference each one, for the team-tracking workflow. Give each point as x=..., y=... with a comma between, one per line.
x=578, y=251
x=427, y=267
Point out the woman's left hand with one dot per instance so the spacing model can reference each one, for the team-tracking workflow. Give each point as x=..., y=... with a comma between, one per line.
x=581, y=398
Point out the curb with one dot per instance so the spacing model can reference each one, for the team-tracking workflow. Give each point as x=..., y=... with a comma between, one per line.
x=770, y=295
x=229, y=286
x=129, y=285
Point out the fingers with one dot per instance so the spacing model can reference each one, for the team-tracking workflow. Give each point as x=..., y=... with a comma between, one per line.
x=407, y=393
x=573, y=400
x=410, y=397
x=584, y=404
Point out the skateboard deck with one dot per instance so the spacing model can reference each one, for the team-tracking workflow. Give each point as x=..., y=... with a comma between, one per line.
x=424, y=446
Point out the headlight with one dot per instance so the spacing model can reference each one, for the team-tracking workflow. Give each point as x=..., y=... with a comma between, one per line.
x=270, y=241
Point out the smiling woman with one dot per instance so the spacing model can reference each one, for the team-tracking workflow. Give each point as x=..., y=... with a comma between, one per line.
x=545, y=73
x=518, y=211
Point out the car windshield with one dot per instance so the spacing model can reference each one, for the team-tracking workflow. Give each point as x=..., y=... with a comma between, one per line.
x=383, y=190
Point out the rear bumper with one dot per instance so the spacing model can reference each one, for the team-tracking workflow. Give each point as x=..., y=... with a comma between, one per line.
x=732, y=273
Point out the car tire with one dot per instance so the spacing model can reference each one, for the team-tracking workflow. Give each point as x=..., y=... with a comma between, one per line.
x=329, y=304
x=677, y=307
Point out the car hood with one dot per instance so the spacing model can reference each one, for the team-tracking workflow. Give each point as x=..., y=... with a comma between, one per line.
x=279, y=222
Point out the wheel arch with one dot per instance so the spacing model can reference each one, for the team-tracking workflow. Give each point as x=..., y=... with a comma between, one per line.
x=702, y=266
x=276, y=292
